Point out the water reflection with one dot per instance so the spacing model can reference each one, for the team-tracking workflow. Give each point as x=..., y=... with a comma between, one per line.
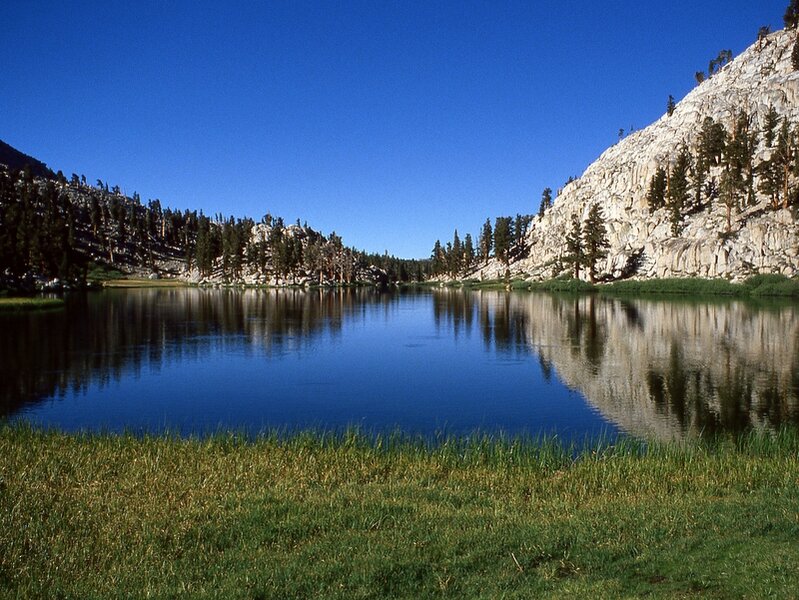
x=672, y=369
x=665, y=368
x=669, y=369
x=102, y=336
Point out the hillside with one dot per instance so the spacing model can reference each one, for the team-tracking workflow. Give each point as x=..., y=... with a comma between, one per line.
x=56, y=232
x=16, y=160
x=738, y=215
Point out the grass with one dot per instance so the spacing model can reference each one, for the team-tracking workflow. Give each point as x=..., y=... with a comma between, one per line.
x=20, y=304
x=100, y=272
x=324, y=516
x=758, y=286
x=563, y=285
x=143, y=283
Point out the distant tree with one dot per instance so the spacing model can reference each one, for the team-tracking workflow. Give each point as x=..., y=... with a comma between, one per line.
x=502, y=239
x=594, y=239
x=729, y=188
x=670, y=105
x=795, y=55
x=678, y=189
x=546, y=201
x=762, y=34
x=575, y=251
x=468, y=251
x=699, y=76
x=770, y=122
x=204, y=248
x=784, y=157
x=656, y=197
x=486, y=241
x=791, y=17
x=712, y=143
x=519, y=230
x=438, y=259
x=717, y=64
x=455, y=255
x=740, y=154
x=770, y=180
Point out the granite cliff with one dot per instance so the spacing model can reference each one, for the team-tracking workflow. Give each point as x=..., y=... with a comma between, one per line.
x=760, y=238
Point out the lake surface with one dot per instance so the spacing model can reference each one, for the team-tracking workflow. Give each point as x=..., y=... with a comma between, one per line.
x=424, y=362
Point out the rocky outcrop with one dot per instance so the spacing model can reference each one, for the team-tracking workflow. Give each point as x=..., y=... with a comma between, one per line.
x=759, y=240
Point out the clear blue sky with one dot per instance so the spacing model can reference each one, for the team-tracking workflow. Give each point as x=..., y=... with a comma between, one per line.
x=392, y=123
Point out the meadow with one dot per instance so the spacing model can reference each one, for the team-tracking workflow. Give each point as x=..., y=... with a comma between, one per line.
x=313, y=515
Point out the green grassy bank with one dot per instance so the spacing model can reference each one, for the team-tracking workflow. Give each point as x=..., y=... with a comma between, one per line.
x=345, y=517
x=758, y=286
x=20, y=304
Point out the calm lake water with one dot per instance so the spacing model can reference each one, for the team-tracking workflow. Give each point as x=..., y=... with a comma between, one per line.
x=424, y=362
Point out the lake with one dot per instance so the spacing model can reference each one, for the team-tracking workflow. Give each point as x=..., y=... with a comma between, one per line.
x=425, y=362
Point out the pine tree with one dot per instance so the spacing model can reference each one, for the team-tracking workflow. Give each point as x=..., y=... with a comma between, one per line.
x=739, y=159
x=670, y=105
x=656, y=197
x=770, y=123
x=784, y=157
x=455, y=256
x=575, y=251
x=437, y=259
x=203, y=248
x=795, y=55
x=594, y=239
x=770, y=180
x=712, y=142
x=520, y=235
x=791, y=17
x=468, y=251
x=678, y=189
x=546, y=201
x=486, y=241
x=502, y=239
x=762, y=34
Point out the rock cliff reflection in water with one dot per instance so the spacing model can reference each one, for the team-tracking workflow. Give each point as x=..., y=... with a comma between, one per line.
x=192, y=360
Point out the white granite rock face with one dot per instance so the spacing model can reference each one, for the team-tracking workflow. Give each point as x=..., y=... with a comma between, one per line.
x=760, y=241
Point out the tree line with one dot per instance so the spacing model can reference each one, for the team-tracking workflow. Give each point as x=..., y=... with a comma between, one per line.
x=60, y=228
x=505, y=240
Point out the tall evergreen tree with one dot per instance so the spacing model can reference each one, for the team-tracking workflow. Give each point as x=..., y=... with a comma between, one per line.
x=784, y=157
x=546, y=201
x=438, y=259
x=770, y=123
x=204, y=246
x=656, y=197
x=791, y=17
x=712, y=142
x=575, y=251
x=670, y=105
x=678, y=189
x=468, y=251
x=520, y=235
x=595, y=239
x=456, y=255
x=795, y=55
x=486, y=241
x=502, y=239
